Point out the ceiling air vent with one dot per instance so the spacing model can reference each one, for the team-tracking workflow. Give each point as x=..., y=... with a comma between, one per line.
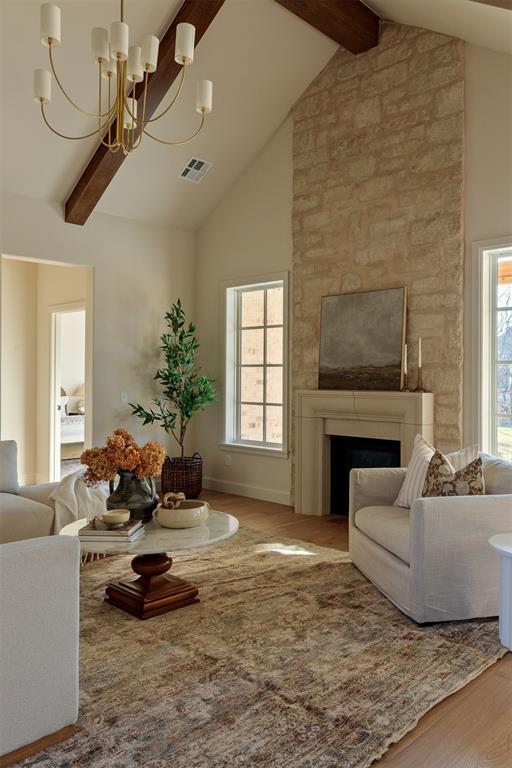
x=195, y=170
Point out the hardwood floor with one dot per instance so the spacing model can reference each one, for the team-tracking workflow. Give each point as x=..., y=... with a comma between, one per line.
x=471, y=728
x=37, y=746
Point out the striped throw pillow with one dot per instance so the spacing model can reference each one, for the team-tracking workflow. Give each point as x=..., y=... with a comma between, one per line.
x=412, y=487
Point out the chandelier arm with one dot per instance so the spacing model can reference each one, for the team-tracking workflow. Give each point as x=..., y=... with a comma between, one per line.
x=112, y=147
x=182, y=141
x=83, y=111
x=140, y=123
x=144, y=100
x=99, y=100
x=62, y=135
x=120, y=104
x=173, y=100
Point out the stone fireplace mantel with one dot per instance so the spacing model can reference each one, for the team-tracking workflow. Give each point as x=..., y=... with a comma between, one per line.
x=322, y=413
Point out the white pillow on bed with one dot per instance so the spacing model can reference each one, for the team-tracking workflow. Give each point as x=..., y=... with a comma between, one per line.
x=8, y=466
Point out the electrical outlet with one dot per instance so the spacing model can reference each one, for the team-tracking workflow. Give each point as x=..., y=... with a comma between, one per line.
x=124, y=396
x=227, y=459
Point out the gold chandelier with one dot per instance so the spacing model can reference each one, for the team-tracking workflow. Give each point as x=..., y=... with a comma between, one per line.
x=123, y=66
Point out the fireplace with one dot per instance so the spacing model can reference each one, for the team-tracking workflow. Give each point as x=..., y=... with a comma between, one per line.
x=356, y=453
x=379, y=417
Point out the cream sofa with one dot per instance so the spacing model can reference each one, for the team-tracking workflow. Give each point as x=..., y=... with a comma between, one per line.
x=432, y=561
x=39, y=611
x=26, y=512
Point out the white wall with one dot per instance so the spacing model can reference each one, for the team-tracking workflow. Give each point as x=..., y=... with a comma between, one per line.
x=139, y=270
x=248, y=234
x=19, y=362
x=72, y=350
x=488, y=183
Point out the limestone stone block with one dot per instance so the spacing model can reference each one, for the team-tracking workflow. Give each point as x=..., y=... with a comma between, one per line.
x=435, y=229
x=450, y=99
x=367, y=112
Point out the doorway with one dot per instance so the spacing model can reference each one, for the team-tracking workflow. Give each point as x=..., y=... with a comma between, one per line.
x=67, y=438
x=46, y=364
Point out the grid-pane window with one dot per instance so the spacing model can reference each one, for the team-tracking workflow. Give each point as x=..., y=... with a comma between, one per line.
x=502, y=346
x=255, y=392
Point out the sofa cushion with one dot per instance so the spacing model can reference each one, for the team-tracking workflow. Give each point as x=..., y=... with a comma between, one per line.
x=8, y=466
x=22, y=518
x=442, y=480
x=460, y=459
x=497, y=474
x=387, y=526
x=416, y=472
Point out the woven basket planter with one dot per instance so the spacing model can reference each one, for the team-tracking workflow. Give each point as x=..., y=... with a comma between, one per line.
x=183, y=474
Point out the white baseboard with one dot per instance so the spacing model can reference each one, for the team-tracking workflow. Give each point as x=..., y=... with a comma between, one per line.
x=252, y=491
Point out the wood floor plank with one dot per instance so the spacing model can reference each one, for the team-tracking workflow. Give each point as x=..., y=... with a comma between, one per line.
x=471, y=728
x=37, y=746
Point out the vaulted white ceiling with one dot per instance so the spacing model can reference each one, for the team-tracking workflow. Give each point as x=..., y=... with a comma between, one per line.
x=260, y=56
x=473, y=21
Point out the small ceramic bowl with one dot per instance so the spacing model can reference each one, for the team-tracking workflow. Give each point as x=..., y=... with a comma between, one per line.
x=188, y=515
x=116, y=516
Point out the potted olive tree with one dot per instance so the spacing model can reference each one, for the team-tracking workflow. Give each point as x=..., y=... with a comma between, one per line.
x=185, y=392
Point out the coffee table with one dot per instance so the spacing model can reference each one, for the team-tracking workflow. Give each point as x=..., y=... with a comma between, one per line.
x=154, y=591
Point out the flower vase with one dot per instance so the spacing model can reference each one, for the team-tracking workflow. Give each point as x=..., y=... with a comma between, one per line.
x=137, y=495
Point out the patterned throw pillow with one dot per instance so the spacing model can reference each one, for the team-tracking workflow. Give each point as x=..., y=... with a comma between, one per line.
x=443, y=480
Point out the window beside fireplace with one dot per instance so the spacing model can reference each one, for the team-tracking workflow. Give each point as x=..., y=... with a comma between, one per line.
x=255, y=365
x=357, y=453
x=491, y=354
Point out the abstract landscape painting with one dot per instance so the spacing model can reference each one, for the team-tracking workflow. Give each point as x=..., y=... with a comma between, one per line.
x=362, y=338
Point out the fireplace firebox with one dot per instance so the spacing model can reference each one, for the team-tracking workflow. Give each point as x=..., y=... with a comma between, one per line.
x=357, y=453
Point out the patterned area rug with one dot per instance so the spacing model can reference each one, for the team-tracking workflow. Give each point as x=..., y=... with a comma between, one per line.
x=291, y=660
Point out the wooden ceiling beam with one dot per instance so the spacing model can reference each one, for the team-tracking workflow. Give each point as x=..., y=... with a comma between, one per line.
x=349, y=23
x=104, y=164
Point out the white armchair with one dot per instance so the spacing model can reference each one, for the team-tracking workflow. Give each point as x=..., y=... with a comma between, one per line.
x=432, y=561
x=39, y=612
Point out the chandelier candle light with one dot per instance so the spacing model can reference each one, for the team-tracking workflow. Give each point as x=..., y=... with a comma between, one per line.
x=123, y=66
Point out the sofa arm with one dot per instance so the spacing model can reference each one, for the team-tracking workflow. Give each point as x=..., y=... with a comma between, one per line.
x=41, y=493
x=374, y=487
x=39, y=605
x=450, y=556
x=444, y=524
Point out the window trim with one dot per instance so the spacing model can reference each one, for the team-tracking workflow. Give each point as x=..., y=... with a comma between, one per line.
x=231, y=383
x=480, y=352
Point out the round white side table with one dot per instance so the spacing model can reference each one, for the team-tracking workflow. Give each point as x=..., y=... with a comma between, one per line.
x=502, y=543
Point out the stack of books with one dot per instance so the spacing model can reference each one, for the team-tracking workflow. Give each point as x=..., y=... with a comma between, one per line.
x=96, y=530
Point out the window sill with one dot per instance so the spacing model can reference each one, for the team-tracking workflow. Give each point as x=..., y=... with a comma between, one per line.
x=255, y=450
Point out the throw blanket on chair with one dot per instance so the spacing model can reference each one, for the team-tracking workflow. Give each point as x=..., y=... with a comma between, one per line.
x=74, y=500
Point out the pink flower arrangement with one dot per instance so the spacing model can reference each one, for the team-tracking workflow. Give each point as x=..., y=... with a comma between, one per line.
x=121, y=452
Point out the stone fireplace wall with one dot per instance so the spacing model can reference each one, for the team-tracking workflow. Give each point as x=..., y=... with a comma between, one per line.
x=378, y=201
